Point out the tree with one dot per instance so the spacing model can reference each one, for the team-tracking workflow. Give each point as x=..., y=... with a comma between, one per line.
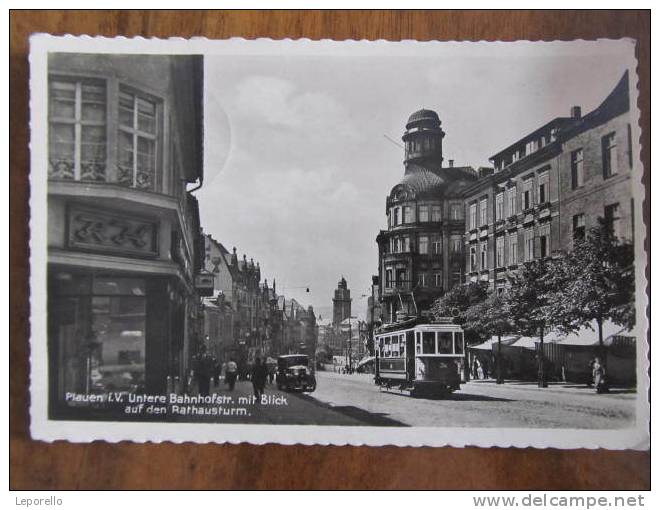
x=455, y=303
x=595, y=283
x=492, y=316
x=528, y=299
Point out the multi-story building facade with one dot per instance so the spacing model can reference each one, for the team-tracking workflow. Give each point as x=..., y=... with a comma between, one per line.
x=297, y=331
x=420, y=255
x=245, y=306
x=550, y=187
x=124, y=242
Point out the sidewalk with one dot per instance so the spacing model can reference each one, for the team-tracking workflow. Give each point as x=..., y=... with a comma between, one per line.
x=553, y=387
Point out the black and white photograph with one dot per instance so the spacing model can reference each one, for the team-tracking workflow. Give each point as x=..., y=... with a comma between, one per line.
x=326, y=242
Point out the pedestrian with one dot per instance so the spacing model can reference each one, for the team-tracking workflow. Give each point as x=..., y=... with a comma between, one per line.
x=590, y=376
x=480, y=370
x=231, y=372
x=599, y=376
x=203, y=366
x=259, y=375
x=271, y=373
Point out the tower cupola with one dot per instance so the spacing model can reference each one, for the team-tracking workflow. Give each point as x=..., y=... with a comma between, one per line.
x=423, y=139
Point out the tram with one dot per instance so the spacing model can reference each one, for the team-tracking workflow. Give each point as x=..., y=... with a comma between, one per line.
x=420, y=358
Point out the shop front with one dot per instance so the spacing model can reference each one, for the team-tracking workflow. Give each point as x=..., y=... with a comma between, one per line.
x=113, y=333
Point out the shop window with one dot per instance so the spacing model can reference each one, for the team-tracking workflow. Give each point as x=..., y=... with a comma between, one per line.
x=77, y=129
x=100, y=334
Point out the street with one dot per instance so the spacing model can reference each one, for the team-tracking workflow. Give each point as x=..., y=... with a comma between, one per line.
x=483, y=404
x=285, y=409
x=342, y=399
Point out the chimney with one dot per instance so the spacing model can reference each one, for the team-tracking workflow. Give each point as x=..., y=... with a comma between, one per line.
x=576, y=112
x=451, y=163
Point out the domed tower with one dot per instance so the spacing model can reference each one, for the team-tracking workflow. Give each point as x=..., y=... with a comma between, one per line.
x=423, y=139
x=420, y=253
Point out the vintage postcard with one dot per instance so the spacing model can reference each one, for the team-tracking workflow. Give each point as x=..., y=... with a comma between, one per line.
x=337, y=242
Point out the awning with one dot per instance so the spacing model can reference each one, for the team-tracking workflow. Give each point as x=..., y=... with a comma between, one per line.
x=365, y=360
x=488, y=344
x=584, y=336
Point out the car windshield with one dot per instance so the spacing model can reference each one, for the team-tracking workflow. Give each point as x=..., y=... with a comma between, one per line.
x=290, y=361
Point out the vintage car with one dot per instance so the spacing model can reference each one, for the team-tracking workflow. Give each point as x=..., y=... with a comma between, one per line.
x=295, y=373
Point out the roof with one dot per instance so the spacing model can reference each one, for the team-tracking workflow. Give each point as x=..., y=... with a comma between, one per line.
x=421, y=180
x=446, y=180
x=616, y=103
x=584, y=336
x=423, y=115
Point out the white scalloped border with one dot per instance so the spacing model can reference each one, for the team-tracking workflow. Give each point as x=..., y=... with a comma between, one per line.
x=41, y=428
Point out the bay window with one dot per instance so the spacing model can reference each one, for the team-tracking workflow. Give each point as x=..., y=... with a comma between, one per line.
x=83, y=113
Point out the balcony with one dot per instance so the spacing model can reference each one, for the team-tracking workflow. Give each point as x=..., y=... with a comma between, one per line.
x=396, y=287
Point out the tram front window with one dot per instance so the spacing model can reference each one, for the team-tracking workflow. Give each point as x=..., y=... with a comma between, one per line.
x=428, y=342
x=445, y=343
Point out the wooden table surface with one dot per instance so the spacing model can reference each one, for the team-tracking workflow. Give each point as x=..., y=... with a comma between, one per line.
x=61, y=465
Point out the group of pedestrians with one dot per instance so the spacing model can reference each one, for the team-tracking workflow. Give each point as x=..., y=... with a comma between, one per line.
x=206, y=368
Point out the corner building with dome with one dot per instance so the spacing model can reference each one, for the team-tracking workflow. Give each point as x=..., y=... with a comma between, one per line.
x=420, y=255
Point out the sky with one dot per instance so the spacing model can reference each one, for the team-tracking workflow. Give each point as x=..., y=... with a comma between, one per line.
x=297, y=166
